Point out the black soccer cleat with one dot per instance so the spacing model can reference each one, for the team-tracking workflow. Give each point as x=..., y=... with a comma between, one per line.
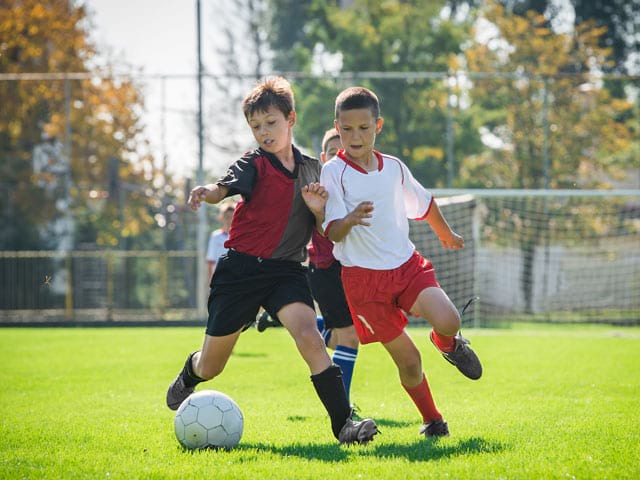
x=177, y=392
x=437, y=428
x=265, y=321
x=462, y=357
x=357, y=432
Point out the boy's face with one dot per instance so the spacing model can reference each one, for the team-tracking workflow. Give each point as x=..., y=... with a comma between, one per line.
x=271, y=129
x=358, y=129
x=332, y=147
x=225, y=218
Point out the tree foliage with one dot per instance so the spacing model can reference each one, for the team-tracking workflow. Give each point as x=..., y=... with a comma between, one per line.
x=590, y=135
x=242, y=56
x=372, y=36
x=86, y=125
x=621, y=19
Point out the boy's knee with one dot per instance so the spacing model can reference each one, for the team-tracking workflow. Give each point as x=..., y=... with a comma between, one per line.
x=347, y=337
x=309, y=337
x=449, y=324
x=412, y=367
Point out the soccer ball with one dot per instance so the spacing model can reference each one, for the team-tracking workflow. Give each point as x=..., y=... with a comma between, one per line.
x=208, y=419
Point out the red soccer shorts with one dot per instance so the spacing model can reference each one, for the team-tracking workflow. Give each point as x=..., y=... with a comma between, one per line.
x=378, y=298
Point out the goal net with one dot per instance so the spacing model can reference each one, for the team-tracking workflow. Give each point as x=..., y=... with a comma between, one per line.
x=553, y=256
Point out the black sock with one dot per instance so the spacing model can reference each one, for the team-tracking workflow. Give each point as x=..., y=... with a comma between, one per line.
x=190, y=378
x=330, y=389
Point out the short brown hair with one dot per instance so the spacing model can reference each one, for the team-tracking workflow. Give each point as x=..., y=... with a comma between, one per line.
x=357, y=97
x=328, y=136
x=272, y=92
x=227, y=206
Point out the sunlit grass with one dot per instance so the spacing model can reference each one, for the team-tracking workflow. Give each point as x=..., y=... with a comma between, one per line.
x=554, y=402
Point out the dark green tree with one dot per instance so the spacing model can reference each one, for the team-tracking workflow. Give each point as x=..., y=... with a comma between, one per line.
x=383, y=37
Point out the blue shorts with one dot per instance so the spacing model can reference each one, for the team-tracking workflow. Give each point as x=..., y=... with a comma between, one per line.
x=242, y=283
x=326, y=287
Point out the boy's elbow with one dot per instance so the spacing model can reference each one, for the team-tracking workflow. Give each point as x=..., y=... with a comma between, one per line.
x=335, y=235
x=331, y=232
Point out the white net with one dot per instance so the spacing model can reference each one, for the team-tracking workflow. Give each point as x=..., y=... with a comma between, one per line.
x=556, y=257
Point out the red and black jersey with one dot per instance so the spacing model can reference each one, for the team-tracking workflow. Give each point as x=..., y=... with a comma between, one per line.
x=272, y=220
x=321, y=250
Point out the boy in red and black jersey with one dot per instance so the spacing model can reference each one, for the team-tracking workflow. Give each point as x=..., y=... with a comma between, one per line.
x=282, y=202
x=273, y=220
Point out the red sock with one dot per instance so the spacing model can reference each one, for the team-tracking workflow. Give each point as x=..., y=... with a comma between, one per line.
x=421, y=396
x=444, y=343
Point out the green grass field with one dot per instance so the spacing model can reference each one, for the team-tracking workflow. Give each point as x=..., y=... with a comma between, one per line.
x=554, y=402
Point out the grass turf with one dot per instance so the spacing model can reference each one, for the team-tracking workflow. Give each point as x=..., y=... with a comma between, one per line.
x=554, y=402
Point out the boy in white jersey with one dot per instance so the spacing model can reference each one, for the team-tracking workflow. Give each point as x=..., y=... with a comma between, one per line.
x=371, y=197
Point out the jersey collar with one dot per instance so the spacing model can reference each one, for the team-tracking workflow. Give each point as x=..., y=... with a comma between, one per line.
x=357, y=167
x=297, y=156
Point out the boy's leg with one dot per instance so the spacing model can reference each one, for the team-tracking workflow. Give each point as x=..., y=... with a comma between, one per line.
x=300, y=321
x=327, y=289
x=407, y=358
x=325, y=332
x=201, y=366
x=434, y=305
x=346, y=353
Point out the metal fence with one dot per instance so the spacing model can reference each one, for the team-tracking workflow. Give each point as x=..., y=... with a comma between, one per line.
x=42, y=287
x=528, y=256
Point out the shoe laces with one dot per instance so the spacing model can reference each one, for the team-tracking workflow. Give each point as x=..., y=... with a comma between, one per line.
x=468, y=304
x=355, y=413
x=461, y=341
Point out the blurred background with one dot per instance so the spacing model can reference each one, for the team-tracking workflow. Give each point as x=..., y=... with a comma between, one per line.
x=523, y=117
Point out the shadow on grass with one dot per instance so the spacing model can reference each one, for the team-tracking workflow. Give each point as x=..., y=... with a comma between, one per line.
x=418, y=451
x=249, y=354
x=435, y=449
x=381, y=422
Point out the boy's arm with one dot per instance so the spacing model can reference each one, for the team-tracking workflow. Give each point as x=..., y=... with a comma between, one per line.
x=211, y=193
x=448, y=238
x=338, y=229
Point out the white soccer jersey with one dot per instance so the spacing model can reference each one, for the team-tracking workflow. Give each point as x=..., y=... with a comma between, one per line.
x=215, y=247
x=396, y=196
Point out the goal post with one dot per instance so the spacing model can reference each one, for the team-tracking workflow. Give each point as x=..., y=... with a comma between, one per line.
x=539, y=255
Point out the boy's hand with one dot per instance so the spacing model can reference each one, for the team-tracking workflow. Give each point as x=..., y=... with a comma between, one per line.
x=358, y=215
x=197, y=196
x=452, y=241
x=315, y=196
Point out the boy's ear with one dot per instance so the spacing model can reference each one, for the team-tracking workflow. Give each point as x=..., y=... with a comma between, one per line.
x=292, y=118
x=336, y=126
x=379, y=123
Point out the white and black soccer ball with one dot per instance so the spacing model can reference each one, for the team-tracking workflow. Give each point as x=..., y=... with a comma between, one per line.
x=208, y=419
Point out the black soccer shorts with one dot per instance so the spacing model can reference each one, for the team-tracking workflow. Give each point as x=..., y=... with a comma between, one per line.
x=326, y=286
x=242, y=283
